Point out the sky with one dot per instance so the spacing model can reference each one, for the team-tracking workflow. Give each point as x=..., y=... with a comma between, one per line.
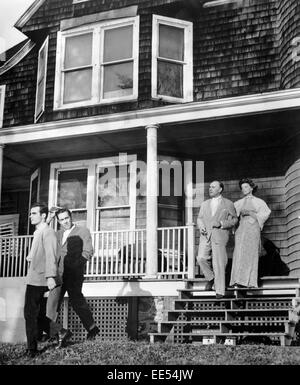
x=10, y=11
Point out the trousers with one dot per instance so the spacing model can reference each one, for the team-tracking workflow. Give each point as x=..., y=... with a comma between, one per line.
x=33, y=309
x=212, y=258
x=72, y=284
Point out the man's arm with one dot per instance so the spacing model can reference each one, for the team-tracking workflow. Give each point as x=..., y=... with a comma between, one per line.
x=231, y=219
x=87, y=247
x=50, y=247
x=200, y=222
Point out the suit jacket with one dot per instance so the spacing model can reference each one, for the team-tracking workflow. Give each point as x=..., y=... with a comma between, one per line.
x=77, y=249
x=225, y=213
x=44, y=258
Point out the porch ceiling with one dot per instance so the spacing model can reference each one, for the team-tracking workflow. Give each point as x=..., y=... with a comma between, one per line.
x=191, y=140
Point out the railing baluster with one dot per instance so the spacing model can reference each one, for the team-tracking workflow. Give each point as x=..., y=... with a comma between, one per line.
x=178, y=251
x=102, y=253
x=184, y=249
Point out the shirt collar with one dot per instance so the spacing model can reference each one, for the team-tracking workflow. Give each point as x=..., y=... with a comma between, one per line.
x=217, y=198
x=68, y=231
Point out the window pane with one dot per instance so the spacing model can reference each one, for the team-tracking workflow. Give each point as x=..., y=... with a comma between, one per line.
x=170, y=79
x=40, y=97
x=78, y=51
x=118, y=43
x=113, y=186
x=114, y=219
x=42, y=62
x=72, y=189
x=79, y=217
x=171, y=42
x=78, y=86
x=118, y=80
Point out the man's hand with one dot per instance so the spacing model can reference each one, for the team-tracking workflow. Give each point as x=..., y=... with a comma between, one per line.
x=216, y=224
x=51, y=283
x=203, y=231
x=29, y=258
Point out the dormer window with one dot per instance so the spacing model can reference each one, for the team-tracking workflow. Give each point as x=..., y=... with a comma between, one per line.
x=97, y=63
x=172, y=59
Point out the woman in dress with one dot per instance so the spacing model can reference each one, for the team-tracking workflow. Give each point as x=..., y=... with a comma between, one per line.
x=252, y=213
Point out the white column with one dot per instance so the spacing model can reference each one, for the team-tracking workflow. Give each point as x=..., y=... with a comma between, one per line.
x=188, y=189
x=152, y=192
x=1, y=169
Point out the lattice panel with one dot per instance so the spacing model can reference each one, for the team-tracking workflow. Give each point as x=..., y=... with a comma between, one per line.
x=208, y=305
x=110, y=315
x=270, y=304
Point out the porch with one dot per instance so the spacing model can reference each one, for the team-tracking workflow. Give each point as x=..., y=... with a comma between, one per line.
x=118, y=255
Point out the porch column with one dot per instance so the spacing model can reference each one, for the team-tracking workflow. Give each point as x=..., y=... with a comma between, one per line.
x=152, y=190
x=188, y=189
x=1, y=168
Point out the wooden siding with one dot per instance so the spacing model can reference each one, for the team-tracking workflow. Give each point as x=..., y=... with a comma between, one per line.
x=288, y=29
x=236, y=52
x=292, y=189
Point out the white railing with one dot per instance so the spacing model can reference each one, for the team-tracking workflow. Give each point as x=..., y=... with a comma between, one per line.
x=173, y=251
x=13, y=253
x=118, y=254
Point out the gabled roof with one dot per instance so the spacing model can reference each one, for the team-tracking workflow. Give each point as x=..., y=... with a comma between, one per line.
x=27, y=14
x=15, y=54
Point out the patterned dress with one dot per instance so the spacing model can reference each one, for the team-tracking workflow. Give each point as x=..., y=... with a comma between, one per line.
x=247, y=241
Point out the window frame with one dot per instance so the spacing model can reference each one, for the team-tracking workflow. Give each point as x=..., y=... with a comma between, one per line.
x=97, y=29
x=2, y=102
x=187, y=86
x=45, y=46
x=92, y=165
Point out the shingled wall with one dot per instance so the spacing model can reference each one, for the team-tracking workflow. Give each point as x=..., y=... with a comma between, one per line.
x=237, y=51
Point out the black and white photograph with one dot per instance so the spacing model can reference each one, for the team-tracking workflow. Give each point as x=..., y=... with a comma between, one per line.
x=150, y=186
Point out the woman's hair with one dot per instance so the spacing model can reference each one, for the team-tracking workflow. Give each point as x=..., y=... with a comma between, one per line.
x=249, y=182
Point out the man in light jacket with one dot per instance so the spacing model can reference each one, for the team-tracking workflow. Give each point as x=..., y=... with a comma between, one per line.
x=216, y=217
x=41, y=275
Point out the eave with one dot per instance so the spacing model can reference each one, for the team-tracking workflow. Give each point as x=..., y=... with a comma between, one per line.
x=29, y=13
x=191, y=112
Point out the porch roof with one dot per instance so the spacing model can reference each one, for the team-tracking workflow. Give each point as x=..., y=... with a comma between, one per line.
x=193, y=131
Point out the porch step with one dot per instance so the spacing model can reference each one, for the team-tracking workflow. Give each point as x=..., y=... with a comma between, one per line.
x=271, y=310
x=284, y=338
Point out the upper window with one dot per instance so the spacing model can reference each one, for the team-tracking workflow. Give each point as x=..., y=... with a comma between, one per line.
x=2, y=96
x=41, y=81
x=172, y=59
x=97, y=63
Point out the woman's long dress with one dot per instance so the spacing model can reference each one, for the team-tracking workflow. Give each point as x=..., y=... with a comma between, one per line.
x=247, y=242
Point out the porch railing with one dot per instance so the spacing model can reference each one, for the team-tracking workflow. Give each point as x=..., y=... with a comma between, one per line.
x=13, y=253
x=117, y=254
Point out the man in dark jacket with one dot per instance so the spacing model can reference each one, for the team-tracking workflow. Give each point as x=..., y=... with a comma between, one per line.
x=74, y=250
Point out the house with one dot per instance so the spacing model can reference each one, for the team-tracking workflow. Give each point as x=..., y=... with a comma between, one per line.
x=99, y=93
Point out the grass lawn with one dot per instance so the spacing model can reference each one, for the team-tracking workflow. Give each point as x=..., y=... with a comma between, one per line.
x=125, y=352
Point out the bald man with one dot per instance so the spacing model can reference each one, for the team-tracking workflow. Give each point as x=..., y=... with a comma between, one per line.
x=216, y=217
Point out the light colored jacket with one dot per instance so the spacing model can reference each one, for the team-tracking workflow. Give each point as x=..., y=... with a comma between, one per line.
x=43, y=257
x=225, y=214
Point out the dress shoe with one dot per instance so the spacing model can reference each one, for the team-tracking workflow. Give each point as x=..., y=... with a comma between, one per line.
x=63, y=336
x=92, y=333
x=209, y=285
x=219, y=296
